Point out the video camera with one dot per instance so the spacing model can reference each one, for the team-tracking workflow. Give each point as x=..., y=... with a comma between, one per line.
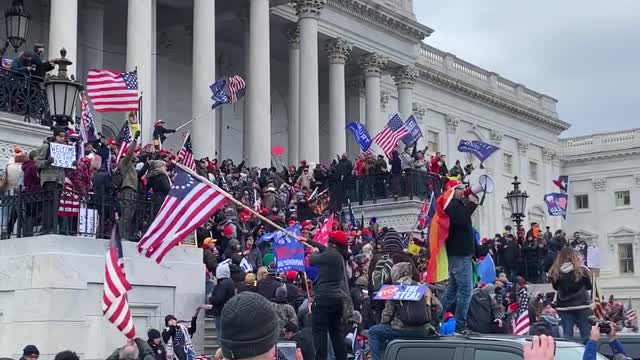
x=605, y=327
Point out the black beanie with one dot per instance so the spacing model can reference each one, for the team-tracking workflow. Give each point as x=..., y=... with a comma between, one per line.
x=249, y=326
x=153, y=334
x=30, y=350
x=168, y=318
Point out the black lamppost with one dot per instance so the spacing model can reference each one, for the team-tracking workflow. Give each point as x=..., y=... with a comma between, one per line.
x=517, y=202
x=17, y=24
x=62, y=92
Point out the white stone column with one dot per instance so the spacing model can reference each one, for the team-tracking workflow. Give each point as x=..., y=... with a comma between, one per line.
x=92, y=35
x=246, y=26
x=372, y=67
x=259, y=124
x=140, y=49
x=338, y=50
x=308, y=13
x=63, y=31
x=293, y=150
x=405, y=78
x=355, y=110
x=203, y=134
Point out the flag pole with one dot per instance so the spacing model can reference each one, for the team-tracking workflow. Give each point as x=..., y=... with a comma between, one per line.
x=239, y=203
x=185, y=124
x=306, y=285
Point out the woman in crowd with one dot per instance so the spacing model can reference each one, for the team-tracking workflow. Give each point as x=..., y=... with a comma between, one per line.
x=572, y=281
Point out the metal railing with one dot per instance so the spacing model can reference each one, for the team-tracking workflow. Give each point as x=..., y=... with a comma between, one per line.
x=25, y=214
x=412, y=184
x=24, y=95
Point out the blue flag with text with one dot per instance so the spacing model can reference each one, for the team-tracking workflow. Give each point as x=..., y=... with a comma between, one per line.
x=288, y=251
x=478, y=148
x=414, y=131
x=360, y=135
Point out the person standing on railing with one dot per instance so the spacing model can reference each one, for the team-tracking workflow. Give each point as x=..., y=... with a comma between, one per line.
x=129, y=189
x=51, y=179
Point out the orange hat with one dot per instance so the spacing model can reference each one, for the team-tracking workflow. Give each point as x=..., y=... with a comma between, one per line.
x=17, y=150
x=339, y=237
x=208, y=242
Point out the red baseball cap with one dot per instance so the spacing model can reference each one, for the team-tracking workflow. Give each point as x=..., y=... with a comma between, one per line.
x=111, y=142
x=339, y=237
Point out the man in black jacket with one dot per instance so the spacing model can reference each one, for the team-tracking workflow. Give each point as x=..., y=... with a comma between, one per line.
x=460, y=245
x=159, y=133
x=225, y=289
x=485, y=315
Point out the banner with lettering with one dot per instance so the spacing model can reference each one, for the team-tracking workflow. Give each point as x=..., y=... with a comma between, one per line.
x=401, y=292
x=360, y=135
x=556, y=204
x=414, y=131
x=63, y=155
x=288, y=251
x=478, y=148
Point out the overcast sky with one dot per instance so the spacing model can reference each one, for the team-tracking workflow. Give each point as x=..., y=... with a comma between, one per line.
x=584, y=53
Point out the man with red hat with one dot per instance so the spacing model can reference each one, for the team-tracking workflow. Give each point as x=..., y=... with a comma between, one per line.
x=159, y=132
x=331, y=292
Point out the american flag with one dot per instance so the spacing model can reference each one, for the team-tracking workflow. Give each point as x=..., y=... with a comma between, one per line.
x=112, y=91
x=124, y=139
x=115, y=306
x=87, y=126
x=236, y=86
x=598, y=309
x=189, y=204
x=69, y=200
x=387, y=140
x=185, y=155
x=631, y=314
x=521, y=326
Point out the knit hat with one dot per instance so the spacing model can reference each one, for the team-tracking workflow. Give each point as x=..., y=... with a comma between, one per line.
x=271, y=268
x=392, y=241
x=30, y=350
x=281, y=292
x=339, y=237
x=153, y=334
x=249, y=326
x=169, y=318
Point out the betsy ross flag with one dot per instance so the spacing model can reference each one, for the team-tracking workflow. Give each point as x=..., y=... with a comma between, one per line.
x=112, y=91
x=522, y=323
x=387, y=140
x=115, y=306
x=185, y=155
x=227, y=91
x=124, y=140
x=189, y=204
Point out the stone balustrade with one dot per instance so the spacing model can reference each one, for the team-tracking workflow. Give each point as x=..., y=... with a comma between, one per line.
x=602, y=141
x=462, y=70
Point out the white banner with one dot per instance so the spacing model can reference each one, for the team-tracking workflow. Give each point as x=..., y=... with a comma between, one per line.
x=63, y=155
x=593, y=257
x=87, y=223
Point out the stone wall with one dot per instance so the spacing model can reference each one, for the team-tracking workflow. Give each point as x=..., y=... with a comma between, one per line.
x=51, y=291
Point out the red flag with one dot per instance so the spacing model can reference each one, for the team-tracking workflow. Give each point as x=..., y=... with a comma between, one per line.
x=322, y=236
x=277, y=150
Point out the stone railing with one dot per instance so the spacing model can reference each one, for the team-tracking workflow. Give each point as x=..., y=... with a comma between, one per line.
x=451, y=65
x=598, y=142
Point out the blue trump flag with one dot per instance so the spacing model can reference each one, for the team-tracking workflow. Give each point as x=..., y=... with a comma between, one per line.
x=288, y=251
x=414, y=131
x=481, y=150
x=360, y=135
x=487, y=270
x=219, y=96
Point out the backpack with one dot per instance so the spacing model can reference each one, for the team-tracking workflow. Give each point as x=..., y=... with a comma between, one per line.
x=116, y=180
x=414, y=313
x=381, y=275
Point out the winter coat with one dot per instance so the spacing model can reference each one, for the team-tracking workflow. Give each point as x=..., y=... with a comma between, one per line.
x=381, y=166
x=572, y=294
x=158, y=350
x=511, y=252
x=160, y=184
x=128, y=169
x=160, y=131
x=30, y=177
x=170, y=333
x=331, y=272
x=396, y=165
x=461, y=241
x=267, y=287
x=224, y=290
x=81, y=176
x=483, y=310
x=210, y=260
x=48, y=172
x=254, y=258
x=14, y=176
x=305, y=181
x=397, y=255
x=401, y=274
x=144, y=350
x=285, y=312
x=407, y=160
x=343, y=168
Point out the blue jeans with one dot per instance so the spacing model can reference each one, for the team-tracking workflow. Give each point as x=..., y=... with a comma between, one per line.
x=459, y=287
x=380, y=335
x=579, y=318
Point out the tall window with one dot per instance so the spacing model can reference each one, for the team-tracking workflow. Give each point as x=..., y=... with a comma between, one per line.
x=581, y=201
x=623, y=198
x=508, y=163
x=625, y=256
x=533, y=170
x=433, y=140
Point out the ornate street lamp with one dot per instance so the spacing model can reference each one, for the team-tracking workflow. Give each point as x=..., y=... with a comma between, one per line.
x=62, y=92
x=517, y=202
x=17, y=24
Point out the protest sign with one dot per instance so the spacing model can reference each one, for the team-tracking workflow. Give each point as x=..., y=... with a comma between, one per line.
x=401, y=292
x=63, y=155
x=87, y=223
x=478, y=148
x=556, y=204
x=289, y=252
x=593, y=257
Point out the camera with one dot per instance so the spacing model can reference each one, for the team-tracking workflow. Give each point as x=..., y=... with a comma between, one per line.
x=605, y=327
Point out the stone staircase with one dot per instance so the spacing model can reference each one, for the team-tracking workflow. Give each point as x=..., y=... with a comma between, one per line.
x=210, y=338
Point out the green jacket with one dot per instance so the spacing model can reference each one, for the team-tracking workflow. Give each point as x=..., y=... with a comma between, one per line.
x=48, y=173
x=128, y=169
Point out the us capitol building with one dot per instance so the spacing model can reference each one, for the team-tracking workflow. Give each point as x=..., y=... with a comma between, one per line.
x=311, y=66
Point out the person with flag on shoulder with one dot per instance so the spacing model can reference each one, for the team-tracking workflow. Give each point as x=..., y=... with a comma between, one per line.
x=159, y=133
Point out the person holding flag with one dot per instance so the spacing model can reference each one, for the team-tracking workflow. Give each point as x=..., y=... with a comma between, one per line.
x=452, y=245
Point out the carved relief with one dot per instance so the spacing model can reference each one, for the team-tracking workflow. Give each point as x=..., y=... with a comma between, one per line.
x=338, y=51
x=7, y=150
x=523, y=147
x=293, y=35
x=373, y=64
x=549, y=154
x=405, y=77
x=309, y=8
x=600, y=184
x=452, y=123
x=384, y=101
x=496, y=137
x=419, y=110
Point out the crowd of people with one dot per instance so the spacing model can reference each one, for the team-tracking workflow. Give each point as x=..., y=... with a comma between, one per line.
x=334, y=297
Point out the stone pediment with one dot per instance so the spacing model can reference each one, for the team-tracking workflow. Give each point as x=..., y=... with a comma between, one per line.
x=623, y=231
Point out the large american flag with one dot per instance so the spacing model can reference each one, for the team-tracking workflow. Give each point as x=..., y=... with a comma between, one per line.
x=185, y=155
x=112, y=91
x=115, y=306
x=522, y=323
x=236, y=86
x=387, y=140
x=189, y=204
x=124, y=140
